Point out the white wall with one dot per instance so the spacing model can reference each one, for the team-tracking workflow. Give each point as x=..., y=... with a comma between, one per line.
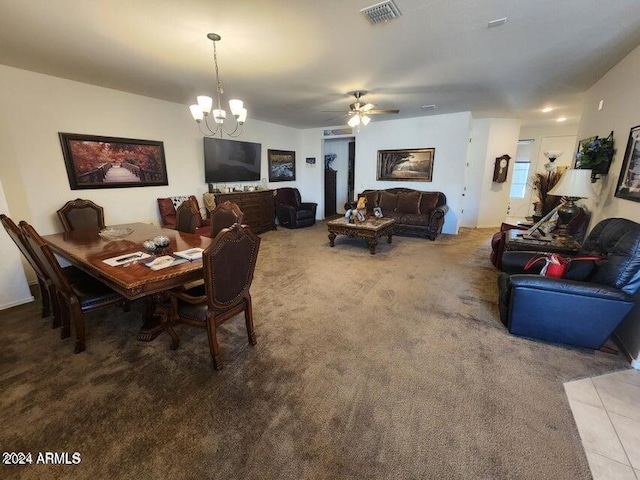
x=621, y=111
x=621, y=95
x=448, y=134
x=502, y=138
x=35, y=107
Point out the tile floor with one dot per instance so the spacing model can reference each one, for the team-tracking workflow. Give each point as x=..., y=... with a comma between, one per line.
x=607, y=412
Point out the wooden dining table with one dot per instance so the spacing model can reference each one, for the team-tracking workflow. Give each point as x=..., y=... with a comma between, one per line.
x=133, y=280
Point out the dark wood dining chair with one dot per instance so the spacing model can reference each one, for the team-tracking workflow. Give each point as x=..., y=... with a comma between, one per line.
x=81, y=214
x=72, y=299
x=229, y=263
x=186, y=217
x=225, y=215
x=44, y=282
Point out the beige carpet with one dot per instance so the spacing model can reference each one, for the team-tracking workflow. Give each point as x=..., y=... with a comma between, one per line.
x=393, y=366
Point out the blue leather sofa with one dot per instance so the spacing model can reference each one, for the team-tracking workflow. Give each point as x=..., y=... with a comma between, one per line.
x=583, y=311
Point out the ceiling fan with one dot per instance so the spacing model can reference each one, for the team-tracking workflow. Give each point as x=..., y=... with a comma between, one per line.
x=359, y=112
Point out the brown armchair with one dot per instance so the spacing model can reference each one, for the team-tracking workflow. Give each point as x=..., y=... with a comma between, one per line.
x=229, y=263
x=81, y=214
x=167, y=207
x=291, y=211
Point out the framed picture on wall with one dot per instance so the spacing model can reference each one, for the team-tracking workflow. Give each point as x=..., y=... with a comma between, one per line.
x=282, y=165
x=407, y=164
x=109, y=162
x=629, y=180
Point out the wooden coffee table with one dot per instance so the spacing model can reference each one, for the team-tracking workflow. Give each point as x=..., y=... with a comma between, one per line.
x=370, y=230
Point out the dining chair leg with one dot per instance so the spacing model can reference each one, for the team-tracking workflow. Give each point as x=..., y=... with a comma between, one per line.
x=56, y=318
x=166, y=324
x=78, y=321
x=213, y=342
x=248, y=318
x=46, y=304
x=60, y=314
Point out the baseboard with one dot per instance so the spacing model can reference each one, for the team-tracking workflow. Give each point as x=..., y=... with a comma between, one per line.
x=17, y=302
x=634, y=362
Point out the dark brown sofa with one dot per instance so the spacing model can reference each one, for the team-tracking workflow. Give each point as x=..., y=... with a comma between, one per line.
x=415, y=212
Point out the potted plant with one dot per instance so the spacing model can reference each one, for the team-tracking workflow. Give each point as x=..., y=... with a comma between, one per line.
x=542, y=183
x=596, y=156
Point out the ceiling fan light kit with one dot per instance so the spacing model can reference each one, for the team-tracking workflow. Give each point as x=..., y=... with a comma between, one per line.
x=203, y=110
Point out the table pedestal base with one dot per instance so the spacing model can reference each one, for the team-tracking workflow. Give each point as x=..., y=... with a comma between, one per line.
x=152, y=322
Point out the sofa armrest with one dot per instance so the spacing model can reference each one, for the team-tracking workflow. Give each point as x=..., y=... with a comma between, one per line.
x=439, y=212
x=565, y=311
x=286, y=215
x=309, y=206
x=565, y=286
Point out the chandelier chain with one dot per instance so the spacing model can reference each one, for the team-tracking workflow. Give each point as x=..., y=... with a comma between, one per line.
x=219, y=88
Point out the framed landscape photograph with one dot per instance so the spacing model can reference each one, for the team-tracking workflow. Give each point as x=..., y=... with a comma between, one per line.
x=629, y=180
x=408, y=164
x=109, y=162
x=282, y=165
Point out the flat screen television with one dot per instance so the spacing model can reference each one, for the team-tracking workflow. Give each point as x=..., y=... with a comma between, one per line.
x=231, y=160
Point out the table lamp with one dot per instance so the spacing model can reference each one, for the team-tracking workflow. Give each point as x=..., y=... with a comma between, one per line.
x=574, y=184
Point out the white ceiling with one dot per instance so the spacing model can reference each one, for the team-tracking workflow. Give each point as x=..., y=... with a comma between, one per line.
x=291, y=60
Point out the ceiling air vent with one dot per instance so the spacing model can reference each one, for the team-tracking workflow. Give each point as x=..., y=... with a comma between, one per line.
x=381, y=12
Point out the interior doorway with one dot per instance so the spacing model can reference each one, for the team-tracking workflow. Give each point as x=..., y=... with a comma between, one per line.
x=339, y=174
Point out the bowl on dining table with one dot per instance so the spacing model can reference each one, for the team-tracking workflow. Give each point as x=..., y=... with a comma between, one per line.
x=115, y=233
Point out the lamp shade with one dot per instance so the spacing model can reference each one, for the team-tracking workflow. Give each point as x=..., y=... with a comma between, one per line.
x=574, y=183
x=553, y=154
x=354, y=121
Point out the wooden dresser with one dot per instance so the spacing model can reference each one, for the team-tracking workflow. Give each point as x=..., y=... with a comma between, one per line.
x=329, y=192
x=257, y=206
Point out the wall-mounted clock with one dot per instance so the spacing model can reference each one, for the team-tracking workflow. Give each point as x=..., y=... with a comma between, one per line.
x=501, y=168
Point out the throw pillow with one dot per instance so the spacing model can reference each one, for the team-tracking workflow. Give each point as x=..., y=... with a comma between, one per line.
x=372, y=200
x=388, y=201
x=409, y=202
x=429, y=202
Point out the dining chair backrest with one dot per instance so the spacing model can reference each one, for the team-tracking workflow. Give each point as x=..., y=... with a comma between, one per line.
x=18, y=238
x=43, y=253
x=229, y=263
x=186, y=217
x=80, y=214
x=225, y=215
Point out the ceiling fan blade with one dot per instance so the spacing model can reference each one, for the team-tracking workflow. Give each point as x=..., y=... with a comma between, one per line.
x=382, y=112
x=332, y=111
x=367, y=107
x=339, y=116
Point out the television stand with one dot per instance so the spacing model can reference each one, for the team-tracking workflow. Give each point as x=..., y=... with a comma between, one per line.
x=258, y=208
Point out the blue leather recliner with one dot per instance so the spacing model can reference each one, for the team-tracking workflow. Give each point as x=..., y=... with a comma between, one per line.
x=585, y=310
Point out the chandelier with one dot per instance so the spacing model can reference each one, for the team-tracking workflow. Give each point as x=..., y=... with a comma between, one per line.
x=202, y=112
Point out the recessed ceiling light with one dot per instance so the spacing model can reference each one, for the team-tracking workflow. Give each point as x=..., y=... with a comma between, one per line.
x=561, y=119
x=547, y=109
x=497, y=22
x=431, y=106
